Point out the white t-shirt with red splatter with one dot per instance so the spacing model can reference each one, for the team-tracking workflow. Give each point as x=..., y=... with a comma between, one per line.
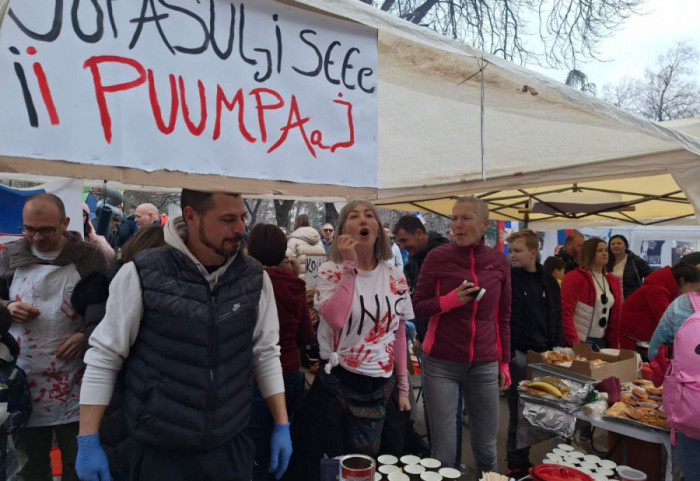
x=380, y=302
x=54, y=382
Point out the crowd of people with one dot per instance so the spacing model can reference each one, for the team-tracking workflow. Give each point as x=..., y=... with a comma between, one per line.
x=175, y=354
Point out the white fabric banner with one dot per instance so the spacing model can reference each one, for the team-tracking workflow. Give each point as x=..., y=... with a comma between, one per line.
x=252, y=89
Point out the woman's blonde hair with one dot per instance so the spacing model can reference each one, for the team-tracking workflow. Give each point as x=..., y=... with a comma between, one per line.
x=382, y=247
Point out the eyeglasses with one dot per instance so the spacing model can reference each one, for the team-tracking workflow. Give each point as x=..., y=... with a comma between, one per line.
x=604, y=300
x=44, y=231
x=327, y=230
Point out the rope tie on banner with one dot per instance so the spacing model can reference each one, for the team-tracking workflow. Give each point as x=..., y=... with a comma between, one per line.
x=482, y=66
x=482, y=63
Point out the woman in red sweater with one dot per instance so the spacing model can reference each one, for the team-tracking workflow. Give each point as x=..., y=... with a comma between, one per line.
x=591, y=299
x=267, y=243
x=642, y=310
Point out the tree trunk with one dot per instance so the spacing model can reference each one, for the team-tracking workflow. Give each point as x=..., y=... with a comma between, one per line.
x=417, y=15
x=387, y=5
x=253, y=206
x=282, y=208
x=331, y=214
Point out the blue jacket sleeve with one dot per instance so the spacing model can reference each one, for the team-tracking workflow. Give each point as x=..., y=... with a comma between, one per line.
x=19, y=404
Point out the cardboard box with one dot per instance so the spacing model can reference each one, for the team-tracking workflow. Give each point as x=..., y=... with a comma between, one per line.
x=623, y=366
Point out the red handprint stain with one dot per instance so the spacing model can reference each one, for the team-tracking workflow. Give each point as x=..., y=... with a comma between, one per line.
x=397, y=285
x=59, y=383
x=356, y=356
x=42, y=393
x=378, y=331
x=331, y=275
x=388, y=366
x=67, y=310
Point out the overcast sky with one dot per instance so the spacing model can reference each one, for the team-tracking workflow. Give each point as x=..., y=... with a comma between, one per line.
x=640, y=41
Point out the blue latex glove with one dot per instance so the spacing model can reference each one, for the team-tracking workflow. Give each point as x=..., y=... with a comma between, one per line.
x=280, y=450
x=91, y=462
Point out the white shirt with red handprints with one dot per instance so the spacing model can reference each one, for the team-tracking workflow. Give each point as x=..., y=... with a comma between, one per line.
x=380, y=301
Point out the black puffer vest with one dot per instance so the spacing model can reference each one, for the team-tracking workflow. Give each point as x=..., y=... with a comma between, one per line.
x=189, y=373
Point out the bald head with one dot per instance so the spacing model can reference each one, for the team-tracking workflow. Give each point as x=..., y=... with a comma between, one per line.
x=146, y=215
x=573, y=244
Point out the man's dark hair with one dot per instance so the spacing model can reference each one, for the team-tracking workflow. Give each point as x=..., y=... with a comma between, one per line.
x=53, y=199
x=268, y=244
x=201, y=202
x=687, y=272
x=409, y=223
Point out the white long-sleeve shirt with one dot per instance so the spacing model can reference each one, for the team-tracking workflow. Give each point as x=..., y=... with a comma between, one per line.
x=116, y=333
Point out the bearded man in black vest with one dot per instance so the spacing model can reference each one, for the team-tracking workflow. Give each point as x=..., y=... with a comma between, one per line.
x=191, y=325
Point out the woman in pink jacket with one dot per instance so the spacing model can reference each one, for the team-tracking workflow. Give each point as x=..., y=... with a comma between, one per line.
x=591, y=299
x=464, y=290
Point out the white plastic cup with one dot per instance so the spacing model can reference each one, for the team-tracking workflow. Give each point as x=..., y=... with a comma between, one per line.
x=430, y=476
x=430, y=463
x=398, y=476
x=387, y=469
x=409, y=459
x=387, y=459
x=450, y=473
x=630, y=474
x=414, y=471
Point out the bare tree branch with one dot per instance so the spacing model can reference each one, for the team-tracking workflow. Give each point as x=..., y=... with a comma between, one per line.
x=565, y=32
x=668, y=91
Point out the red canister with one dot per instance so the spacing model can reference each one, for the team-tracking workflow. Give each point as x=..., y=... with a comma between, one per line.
x=555, y=472
x=356, y=467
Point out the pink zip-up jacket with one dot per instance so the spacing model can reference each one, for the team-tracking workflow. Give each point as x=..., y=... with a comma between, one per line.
x=471, y=332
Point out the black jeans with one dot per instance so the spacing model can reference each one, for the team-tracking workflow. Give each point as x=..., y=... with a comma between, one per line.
x=517, y=458
x=232, y=461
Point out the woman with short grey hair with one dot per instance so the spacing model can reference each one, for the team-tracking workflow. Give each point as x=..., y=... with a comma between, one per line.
x=464, y=289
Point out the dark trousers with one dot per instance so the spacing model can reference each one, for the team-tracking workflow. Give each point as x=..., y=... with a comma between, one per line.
x=319, y=428
x=33, y=445
x=517, y=458
x=232, y=461
x=261, y=422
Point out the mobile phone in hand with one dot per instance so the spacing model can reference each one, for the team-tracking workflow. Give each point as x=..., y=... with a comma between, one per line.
x=477, y=295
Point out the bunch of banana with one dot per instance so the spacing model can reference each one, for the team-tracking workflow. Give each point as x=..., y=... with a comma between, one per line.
x=546, y=387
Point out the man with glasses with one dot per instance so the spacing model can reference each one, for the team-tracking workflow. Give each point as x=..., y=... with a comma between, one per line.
x=327, y=236
x=37, y=276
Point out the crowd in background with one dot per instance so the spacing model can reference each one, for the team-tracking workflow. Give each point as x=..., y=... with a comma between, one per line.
x=170, y=378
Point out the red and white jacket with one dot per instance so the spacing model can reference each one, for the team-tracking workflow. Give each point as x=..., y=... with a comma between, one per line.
x=478, y=331
x=578, y=287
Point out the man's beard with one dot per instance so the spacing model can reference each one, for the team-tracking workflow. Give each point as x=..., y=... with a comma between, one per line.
x=220, y=249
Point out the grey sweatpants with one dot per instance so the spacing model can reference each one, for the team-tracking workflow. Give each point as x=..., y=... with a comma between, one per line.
x=479, y=384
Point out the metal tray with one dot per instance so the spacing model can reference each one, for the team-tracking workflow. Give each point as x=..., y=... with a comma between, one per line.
x=542, y=369
x=635, y=423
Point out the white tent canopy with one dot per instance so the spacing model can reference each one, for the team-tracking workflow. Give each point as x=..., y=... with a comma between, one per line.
x=535, y=132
